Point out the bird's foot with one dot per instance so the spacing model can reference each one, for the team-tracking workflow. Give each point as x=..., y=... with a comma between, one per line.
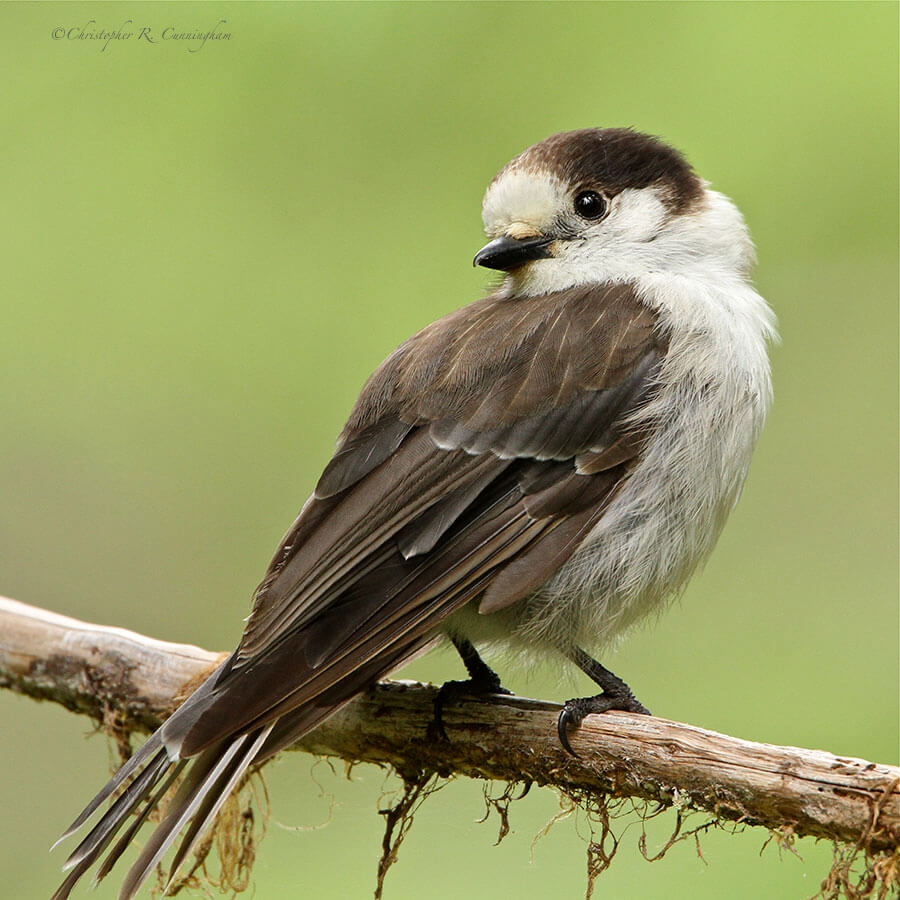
x=483, y=685
x=575, y=710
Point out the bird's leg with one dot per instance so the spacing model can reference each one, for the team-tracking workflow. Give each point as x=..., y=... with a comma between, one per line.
x=482, y=680
x=615, y=694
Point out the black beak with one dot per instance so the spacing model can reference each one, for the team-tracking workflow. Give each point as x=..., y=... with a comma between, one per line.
x=508, y=253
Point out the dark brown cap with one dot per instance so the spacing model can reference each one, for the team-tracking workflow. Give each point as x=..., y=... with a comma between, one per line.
x=613, y=159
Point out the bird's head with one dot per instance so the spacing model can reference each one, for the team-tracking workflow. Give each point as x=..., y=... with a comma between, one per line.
x=601, y=205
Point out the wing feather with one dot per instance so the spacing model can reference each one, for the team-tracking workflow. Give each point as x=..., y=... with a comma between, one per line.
x=476, y=460
x=488, y=468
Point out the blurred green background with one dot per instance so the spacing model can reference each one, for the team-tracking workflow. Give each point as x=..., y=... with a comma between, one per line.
x=205, y=254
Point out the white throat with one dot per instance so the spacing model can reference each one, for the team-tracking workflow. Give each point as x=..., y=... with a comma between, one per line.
x=641, y=239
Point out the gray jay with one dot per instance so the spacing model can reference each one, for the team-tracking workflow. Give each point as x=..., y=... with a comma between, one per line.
x=538, y=469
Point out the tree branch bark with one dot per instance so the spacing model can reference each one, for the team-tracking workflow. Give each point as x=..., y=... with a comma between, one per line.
x=104, y=672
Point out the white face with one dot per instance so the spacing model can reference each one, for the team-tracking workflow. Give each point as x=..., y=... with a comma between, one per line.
x=638, y=234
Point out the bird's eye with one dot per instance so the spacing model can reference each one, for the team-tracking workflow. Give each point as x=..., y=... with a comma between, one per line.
x=590, y=205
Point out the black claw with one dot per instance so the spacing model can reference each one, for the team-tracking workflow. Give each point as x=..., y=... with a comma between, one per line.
x=482, y=682
x=575, y=710
x=615, y=694
x=446, y=689
x=456, y=691
x=565, y=718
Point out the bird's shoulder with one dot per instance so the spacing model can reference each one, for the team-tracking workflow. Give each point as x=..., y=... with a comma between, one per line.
x=481, y=376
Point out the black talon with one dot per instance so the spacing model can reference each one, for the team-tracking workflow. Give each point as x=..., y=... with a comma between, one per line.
x=615, y=695
x=484, y=680
x=455, y=691
x=565, y=719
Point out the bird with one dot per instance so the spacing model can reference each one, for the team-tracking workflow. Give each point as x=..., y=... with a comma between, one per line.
x=537, y=470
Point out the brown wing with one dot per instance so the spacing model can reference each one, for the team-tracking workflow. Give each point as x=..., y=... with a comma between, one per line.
x=476, y=459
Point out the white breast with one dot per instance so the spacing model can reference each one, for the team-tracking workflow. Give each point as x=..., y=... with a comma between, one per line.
x=714, y=394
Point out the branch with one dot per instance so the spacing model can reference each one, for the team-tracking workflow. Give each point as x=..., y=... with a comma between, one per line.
x=101, y=671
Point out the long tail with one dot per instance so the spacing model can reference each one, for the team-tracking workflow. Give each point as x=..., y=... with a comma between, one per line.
x=210, y=778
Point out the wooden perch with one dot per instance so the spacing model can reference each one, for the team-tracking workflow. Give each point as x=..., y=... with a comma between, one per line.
x=100, y=670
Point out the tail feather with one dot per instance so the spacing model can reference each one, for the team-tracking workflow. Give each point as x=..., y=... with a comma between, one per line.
x=63, y=891
x=213, y=801
x=100, y=835
x=209, y=780
x=207, y=785
x=123, y=842
x=105, y=830
x=200, y=775
x=149, y=748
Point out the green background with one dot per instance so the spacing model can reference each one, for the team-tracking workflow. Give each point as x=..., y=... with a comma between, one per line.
x=203, y=256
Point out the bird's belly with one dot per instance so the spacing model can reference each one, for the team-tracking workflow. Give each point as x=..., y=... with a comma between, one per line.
x=663, y=522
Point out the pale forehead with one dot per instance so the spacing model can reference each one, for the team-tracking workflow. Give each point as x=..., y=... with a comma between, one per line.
x=523, y=196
